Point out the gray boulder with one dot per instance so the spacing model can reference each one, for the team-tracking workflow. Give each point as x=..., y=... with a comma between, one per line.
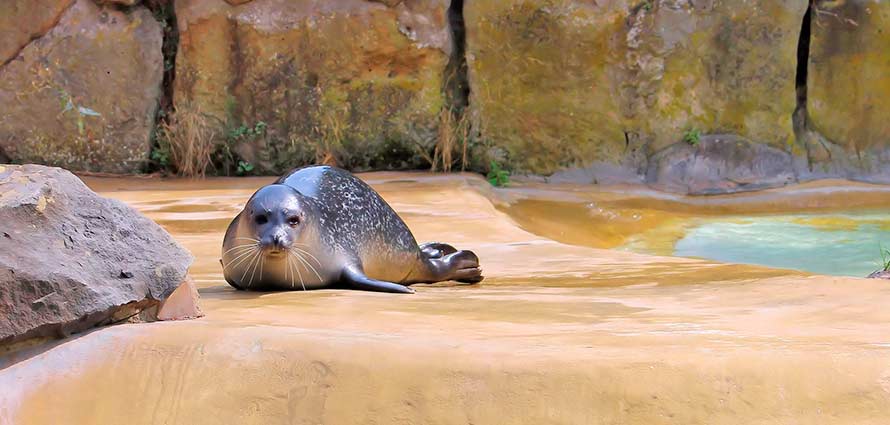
x=719, y=164
x=71, y=260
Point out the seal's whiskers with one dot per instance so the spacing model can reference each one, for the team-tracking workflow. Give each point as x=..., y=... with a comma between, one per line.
x=305, y=262
x=259, y=261
x=240, y=258
x=242, y=246
x=297, y=267
x=298, y=272
x=286, y=270
x=303, y=251
x=237, y=261
x=254, y=258
x=292, y=274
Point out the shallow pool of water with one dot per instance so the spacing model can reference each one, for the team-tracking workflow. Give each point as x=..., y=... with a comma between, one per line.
x=832, y=228
x=833, y=244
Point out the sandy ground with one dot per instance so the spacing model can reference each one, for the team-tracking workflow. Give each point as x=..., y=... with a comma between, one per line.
x=556, y=333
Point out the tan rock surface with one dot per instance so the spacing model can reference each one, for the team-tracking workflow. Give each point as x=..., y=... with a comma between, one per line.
x=555, y=334
x=183, y=303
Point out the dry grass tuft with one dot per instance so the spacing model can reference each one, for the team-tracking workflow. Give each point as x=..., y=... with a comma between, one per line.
x=190, y=141
x=454, y=132
x=332, y=130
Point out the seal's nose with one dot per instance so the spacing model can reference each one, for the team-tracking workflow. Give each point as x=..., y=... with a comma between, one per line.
x=276, y=244
x=272, y=244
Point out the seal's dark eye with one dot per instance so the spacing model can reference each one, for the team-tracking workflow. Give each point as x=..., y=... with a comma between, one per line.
x=261, y=219
x=293, y=221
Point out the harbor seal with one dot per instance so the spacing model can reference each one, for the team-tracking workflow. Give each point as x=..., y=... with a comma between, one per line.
x=321, y=227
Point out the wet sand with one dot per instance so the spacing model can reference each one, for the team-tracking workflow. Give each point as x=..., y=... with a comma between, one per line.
x=557, y=333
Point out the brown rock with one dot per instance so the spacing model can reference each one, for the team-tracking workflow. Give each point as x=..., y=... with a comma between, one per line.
x=183, y=303
x=84, y=96
x=70, y=260
x=22, y=21
x=571, y=83
x=542, y=77
x=719, y=66
x=719, y=164
x=352, y=80
x=120, y=2
x=848, y=86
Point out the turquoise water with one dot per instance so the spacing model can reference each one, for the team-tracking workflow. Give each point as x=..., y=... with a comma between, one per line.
x=791, y=242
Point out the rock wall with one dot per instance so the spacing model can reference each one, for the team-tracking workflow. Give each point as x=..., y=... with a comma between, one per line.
x=356, y=82
x=591, y=91
x=561, y=83
x=21, y=22
x=848, y=90
x=83, y=95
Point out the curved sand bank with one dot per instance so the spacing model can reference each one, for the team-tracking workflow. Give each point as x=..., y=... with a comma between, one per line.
x=651, y=221
x=555, y=334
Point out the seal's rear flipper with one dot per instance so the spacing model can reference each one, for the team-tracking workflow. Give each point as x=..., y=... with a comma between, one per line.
x=462, y=266
x=436, y=249
x=356, y=279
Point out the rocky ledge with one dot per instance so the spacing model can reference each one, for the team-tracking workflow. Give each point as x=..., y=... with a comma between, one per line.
x=880, y=274
x=719, y=164
x=71, y=260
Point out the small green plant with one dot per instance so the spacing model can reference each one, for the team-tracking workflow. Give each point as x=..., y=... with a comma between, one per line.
x=161, y=155
x=244, y=132
x=226, y=155
x=885, y=259
x=692, y=136
x=498, y=176
x=81, y=111
x=244, y=168
x=647, y=5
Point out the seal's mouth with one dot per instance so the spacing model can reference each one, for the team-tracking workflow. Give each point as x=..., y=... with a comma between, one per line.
x=275, y=252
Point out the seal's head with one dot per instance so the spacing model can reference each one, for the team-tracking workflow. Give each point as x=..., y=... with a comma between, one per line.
x=270, y=243
x=277, y=215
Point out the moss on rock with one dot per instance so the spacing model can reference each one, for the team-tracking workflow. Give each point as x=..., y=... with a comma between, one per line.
x=560, y=83
x=356, y=83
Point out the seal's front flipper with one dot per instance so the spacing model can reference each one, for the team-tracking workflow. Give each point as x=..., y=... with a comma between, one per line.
x=356, y=279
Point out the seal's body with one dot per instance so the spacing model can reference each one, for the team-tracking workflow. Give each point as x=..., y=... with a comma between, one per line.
x=321, y=227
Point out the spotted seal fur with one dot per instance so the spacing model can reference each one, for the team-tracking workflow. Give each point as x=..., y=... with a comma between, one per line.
x=321, y=227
